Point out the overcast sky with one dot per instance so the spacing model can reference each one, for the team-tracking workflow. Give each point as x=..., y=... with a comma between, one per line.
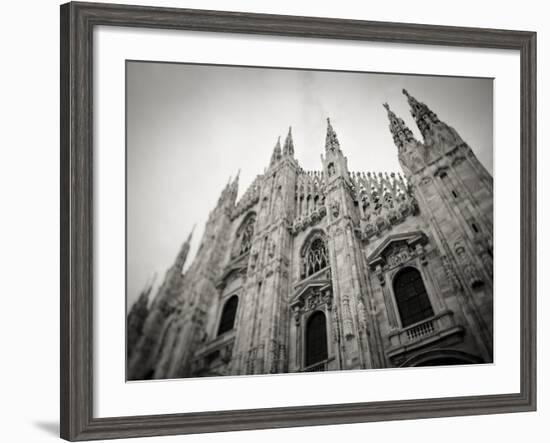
x=191, y=127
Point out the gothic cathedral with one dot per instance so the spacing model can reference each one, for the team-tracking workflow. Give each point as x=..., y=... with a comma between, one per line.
x=331, y=269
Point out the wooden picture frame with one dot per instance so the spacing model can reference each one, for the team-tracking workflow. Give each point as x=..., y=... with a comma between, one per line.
x=77, y=23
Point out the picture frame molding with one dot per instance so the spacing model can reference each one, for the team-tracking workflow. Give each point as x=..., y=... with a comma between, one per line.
x=76, y=214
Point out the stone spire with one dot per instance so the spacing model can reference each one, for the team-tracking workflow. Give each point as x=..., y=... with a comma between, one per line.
x=229, y=194
x=224, y=192
x=184, y=251
x=399, y=130
x=143, y=300
x=276, y=156
x=137, y=316
x=331, y=141
x=288, y=148
x=335, y=163
x=234, y=188
x=423, y=115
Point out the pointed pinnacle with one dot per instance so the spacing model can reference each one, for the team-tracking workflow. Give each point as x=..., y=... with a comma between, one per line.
x=276, y=151
x=277, y=145
x=406, y=92
x=288, y=148
x=331, y=140
x=190, y=236
x=235, y=184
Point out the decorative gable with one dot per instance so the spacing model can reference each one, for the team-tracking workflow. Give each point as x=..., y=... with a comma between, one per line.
x=397, y=249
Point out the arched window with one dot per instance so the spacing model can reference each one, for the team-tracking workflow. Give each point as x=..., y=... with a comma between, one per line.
x=315, y=258
x=316, y=338
x=243, y=242
x=227, y=320
x=411, y=297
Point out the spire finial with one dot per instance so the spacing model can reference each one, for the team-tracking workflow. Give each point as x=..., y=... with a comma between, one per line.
x=191, y=233
x=182, y=255
x=234, y=187
x=331, y=141
x=399, y=130
x=288, y=148
x=419, y=111
x=275, y=157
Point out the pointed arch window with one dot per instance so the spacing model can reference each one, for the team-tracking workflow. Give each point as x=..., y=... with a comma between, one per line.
x=316, y=339
x=245, y=234
x=315, y=257
x=229, y=313
x=411, y=297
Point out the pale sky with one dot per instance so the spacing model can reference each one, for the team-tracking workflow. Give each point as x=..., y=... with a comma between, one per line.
x=191, y=127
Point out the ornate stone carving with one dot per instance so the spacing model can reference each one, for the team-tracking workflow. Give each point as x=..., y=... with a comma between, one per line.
x=297, y=310
x=253, y=259
x=335, y=208
x=335, y=325
x=398, y=257
x=347, y=320
x=273, y=357
x=271, y=248
x=425, y=181
x=452, y=278
x=458, y=159
x=421, y=253
x=486, y=258
x=362, y=313
x=327, y=298
x=472, y=276
x=380, y=275
x=313, y=300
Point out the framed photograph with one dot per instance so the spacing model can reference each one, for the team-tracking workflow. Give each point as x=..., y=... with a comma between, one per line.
x=272, y=221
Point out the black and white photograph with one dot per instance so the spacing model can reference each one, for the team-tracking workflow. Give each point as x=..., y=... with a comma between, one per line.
x=232, y=221
x=292, y=221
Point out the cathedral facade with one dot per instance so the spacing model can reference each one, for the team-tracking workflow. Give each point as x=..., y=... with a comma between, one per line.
x=332, y=269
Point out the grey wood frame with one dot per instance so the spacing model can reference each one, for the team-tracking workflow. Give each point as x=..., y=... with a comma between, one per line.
x=77, y=24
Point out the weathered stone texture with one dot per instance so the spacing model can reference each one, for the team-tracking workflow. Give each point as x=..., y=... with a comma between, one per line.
x=332, y=241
